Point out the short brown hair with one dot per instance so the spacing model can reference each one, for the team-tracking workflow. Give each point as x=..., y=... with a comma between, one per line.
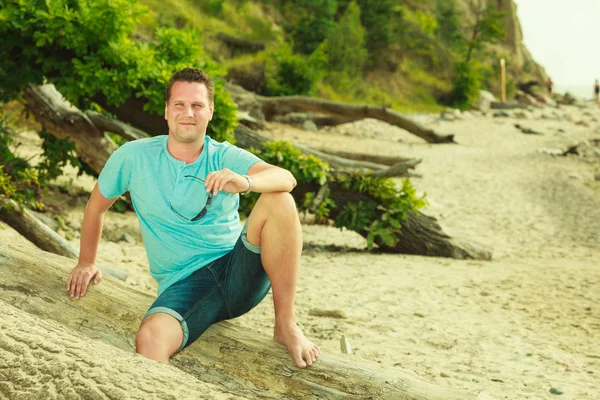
x=191, y=75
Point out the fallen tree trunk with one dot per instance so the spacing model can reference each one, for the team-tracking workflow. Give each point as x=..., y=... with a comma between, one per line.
x=420, y=234
x=238, y=360
x=246, y=138
x=33, y=229
x=63, y=120
x=374, y=158
x=298, y=119
x=273, y=106
x=38, y=233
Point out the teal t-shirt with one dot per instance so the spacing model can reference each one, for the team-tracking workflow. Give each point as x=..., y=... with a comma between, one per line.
x=160, y=190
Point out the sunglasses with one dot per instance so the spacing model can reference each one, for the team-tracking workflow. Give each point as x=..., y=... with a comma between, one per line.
x=204, y=210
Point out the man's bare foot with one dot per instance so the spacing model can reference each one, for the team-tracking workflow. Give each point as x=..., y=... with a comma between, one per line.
x=302, y=350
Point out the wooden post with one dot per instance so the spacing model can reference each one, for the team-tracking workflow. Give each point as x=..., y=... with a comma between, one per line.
x=502, y=80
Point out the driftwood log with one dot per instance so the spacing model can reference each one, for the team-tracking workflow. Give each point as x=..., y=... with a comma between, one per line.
x=240, y=361
x=64, y=120
x=25, y=222
x=273, y=106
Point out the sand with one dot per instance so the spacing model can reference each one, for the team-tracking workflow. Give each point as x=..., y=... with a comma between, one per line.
x=513, y=327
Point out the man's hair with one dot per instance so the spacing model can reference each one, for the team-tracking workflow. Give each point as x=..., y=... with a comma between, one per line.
x=191, y=75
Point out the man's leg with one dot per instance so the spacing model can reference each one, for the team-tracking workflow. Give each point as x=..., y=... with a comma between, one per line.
x=159, y=337
x=275, y=227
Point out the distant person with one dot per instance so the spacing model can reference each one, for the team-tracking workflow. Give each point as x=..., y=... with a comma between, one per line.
x=596, y=90
x=549, y=85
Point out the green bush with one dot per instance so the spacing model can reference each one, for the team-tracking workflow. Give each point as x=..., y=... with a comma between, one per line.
x=308, y=22
x=289, y=74
x=465, y=85
x=345, y=44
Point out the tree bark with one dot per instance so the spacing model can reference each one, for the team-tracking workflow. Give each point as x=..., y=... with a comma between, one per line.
x=122, y=129
x=33, y=229
x=63, y=120
x=238, y=360
x=273, y=106
x=373, y=158
x=246, y=138
x=38, y=233
x=298, y=119
x=420, y=234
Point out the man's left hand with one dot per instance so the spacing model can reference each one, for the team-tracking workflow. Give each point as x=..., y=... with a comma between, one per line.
x=227, y=181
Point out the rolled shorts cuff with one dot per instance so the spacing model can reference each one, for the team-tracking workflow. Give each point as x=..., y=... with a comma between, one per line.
x=253, y=248
x=177, y=316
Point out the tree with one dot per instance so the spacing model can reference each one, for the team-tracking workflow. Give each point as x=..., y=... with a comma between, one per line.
x=309, y=22
x=486, y=29
x=344, y=47
x=449, y=28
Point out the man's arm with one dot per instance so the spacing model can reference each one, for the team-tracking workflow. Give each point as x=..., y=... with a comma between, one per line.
x=91, y=230
x=270, y=178
x=265, y=178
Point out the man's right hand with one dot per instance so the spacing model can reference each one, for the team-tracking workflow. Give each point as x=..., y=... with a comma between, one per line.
x=80, y=277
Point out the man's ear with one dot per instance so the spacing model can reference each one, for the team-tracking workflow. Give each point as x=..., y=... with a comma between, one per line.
x=212, y=110
x=166, y=110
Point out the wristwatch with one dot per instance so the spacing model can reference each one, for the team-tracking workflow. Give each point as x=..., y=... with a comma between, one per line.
x=249, y=185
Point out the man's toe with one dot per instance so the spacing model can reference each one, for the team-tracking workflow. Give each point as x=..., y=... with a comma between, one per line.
x=298, y=360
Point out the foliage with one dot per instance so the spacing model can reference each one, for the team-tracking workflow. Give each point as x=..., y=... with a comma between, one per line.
x=305, y=168
x=448, y=28
x=308, y=22
x=19, y=182
x=345, y=45
x=58, y=153
x=289, y=74
x=382, y=219
x=85, y=48
x=382, y=19
x=487, y=29
x=466, y=84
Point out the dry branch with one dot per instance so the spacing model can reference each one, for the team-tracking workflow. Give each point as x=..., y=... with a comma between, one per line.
x=238, y=360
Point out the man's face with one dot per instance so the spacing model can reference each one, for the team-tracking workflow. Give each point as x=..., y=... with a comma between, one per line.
x=188, y=111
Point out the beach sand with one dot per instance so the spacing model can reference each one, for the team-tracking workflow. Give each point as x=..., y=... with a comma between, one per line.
x=514, y=327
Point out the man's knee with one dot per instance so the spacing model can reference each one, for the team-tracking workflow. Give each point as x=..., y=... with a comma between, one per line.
x=159, y=333
x=278, y=203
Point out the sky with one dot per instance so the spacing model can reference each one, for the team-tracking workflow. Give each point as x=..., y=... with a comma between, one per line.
x=564, y=37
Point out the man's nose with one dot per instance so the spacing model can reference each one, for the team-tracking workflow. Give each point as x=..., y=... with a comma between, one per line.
x=188, y=112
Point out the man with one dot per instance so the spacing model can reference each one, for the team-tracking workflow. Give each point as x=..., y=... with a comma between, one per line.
x=184, y=188
x=596, y=90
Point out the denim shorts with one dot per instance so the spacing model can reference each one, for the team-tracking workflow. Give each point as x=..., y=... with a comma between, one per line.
x=224, y=289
